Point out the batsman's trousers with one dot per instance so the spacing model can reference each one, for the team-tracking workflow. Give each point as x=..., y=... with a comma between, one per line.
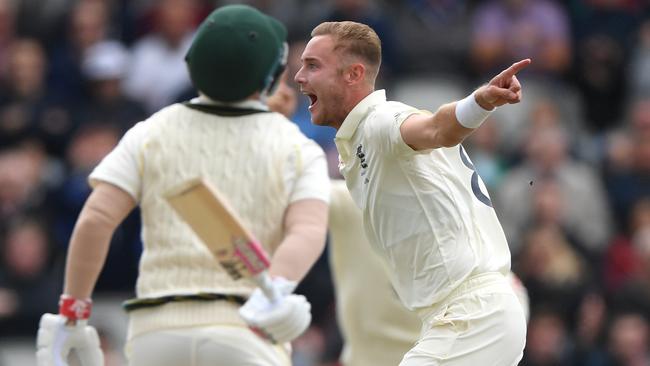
x=479, y=323
x=224, y=345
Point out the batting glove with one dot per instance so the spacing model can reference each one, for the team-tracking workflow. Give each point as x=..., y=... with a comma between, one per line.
x=280, y=321
x=68, y=330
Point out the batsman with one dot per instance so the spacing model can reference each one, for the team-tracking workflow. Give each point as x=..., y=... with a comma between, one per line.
x=188, y=310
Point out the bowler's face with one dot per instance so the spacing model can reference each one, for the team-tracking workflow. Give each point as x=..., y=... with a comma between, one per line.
x=320, y=78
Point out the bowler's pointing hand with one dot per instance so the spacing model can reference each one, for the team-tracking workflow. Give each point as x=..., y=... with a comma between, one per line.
x=503, y=88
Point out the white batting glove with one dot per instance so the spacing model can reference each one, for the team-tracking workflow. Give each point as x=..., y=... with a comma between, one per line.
x=280, y=321
x=56, y=338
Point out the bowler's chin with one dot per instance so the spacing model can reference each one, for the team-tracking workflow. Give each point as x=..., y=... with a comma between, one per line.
x=318, y=120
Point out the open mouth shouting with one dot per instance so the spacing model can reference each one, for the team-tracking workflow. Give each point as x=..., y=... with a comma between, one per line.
x=313, y=100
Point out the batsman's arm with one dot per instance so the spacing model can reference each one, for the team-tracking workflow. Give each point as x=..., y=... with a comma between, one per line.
x=305, y=227
x=104, y=210
x=58, y=334
x=453, y=122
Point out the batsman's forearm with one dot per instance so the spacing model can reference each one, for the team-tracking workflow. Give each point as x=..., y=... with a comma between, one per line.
x=296, y=255
x=86, y=255
x=306, y=230
x=104, y=210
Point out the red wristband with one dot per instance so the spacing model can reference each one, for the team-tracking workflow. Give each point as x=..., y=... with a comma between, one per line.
x=74, y=309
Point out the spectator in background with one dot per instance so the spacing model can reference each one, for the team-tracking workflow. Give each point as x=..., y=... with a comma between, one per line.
x=627, y=169
x=545, y=111
x=27, y=107
x=600, y=78
x=634, y=294
x=86, y=26
x=590, y=330
x=638, y=74
x=623, y=261
x=580, y=205
x=629, y=339
x=552, y=271
x=26, y=174
x=604, y=33
x=548, y=340
x=420, y=26
x=504, y=30
x=7, y=23
x=28, y=274
x=104, y=67
x=43, y=20
x=158, y=73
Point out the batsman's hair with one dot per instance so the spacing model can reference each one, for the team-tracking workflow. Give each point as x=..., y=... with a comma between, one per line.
x=355, y=39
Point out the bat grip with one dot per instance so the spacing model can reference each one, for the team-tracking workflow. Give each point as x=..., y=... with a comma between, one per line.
x=266, y=285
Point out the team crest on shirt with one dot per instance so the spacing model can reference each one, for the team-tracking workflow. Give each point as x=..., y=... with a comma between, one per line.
x=362, y=160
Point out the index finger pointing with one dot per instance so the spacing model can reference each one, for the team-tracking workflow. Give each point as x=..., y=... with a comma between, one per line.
x=516, y=67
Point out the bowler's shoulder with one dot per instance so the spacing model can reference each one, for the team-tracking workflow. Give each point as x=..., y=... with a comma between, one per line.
x=390, y=111
x=388, y=115
x=391, y=106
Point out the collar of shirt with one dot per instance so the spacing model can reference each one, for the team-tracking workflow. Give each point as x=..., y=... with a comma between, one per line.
x=351, y=122
x=244, y=104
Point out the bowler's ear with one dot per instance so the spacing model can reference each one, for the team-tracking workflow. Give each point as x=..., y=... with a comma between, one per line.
x=355, y=73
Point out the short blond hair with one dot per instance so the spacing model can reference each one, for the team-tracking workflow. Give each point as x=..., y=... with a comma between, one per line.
x=355, y=39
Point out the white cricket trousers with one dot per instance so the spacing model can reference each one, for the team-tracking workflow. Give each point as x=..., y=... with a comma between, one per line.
x=480, y=323
x=222, y=345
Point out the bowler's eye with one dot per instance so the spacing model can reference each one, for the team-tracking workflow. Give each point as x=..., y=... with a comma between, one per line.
x=311, y=66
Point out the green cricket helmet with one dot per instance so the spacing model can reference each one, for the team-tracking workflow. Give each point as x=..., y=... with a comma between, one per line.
x=236, y=51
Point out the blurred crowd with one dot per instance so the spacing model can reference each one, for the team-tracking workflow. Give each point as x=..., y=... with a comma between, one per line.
x=568, y=169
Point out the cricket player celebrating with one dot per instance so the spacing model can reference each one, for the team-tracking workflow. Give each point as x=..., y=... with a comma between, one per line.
x=376, y=328
x=425, y=210
x=188, y=311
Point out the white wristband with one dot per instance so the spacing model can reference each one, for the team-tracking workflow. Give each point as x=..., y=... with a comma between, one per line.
x=469, y=113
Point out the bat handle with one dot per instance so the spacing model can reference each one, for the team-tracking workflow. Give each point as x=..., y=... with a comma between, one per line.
x=264, y=281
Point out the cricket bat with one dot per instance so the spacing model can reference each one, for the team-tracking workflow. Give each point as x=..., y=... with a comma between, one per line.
x=208, y=213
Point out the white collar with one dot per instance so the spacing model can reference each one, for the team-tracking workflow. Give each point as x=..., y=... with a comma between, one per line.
x=359, y=112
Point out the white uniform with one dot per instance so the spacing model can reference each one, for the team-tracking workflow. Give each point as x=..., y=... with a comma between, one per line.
x=377, y=329
x=430, y=218
x=262, y=163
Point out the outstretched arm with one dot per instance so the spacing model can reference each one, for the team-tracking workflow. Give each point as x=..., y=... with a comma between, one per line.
x=453, y=122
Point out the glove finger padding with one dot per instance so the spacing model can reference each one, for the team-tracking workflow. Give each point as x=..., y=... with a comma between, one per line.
x=282, y=320
x=302, y=312
x=55, y=339
x=50, y=341
x=89, y=351
x=286, y=320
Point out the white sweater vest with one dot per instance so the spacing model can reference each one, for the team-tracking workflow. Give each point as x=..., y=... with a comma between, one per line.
x=244, y=157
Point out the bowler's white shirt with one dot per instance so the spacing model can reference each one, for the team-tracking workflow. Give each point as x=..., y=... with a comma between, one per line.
x=426, y=213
